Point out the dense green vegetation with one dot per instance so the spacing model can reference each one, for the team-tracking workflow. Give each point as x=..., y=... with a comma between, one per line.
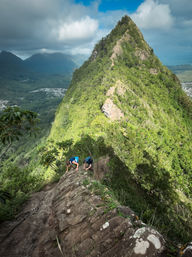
x=150, y=145
x=15, y=183
x=14, y=122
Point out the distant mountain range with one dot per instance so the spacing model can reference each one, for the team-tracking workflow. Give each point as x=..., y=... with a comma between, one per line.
x=11, y=64
x=184, y=73
x=180, y=68
x=37, y=83
x=55, y=63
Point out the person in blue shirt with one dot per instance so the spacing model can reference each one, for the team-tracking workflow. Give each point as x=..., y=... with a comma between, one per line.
x=71, y=161
x=87, y=163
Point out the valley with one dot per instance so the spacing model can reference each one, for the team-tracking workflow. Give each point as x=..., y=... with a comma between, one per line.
x=38, y=94
x=37, y=83
x=37, y=91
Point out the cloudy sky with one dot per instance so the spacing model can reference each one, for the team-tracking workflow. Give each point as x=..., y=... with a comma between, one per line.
x=74, y=26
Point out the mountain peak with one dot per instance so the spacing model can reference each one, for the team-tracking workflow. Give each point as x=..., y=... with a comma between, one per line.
x=11, y=64
x=125, y=23
x=125, y=41
x=3, y=52
x=7, y=54
x=124, y=103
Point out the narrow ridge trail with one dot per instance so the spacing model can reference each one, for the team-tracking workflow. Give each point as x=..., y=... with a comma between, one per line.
x=70, y=219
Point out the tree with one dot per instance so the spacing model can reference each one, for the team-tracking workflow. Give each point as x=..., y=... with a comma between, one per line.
x=14, y=123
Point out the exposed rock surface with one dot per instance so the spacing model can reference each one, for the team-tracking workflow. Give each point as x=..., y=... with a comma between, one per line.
x=142, y=54
x=187, y=252
x=111, y=110
x=121, y=89
x=70, y=220
x=117, y=50
x=153, y=71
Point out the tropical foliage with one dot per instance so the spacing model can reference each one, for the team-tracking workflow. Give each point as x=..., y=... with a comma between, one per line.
x=14, y=122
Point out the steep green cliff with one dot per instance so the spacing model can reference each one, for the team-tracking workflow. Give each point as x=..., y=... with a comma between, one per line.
x=123, y=102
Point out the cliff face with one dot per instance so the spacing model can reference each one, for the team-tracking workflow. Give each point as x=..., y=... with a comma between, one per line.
x=124, y=102
x=76, y=218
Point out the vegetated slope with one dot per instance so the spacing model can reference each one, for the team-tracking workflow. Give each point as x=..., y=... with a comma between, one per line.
x=124, y=102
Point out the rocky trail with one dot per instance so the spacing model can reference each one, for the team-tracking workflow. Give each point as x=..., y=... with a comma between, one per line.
x=68, y=219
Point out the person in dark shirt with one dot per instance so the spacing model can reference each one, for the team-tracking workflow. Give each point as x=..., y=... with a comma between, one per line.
x=88, y=162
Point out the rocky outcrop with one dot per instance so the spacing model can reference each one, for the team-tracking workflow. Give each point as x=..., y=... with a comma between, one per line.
x=142, y=54
x=119, y=87
x=117, y=50
x=153, y=71
x=187, y=252
x=111, y=111
x=69, y=219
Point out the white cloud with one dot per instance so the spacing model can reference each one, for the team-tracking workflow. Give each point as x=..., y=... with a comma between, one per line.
x=33, y=25
x=79, y=50
x=179, y=8
x=85, y=28
x=151, y=15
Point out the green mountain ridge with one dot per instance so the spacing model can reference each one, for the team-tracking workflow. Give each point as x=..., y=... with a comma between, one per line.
x=124, y=103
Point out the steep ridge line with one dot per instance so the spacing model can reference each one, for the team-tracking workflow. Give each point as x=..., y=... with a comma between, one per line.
x=72, y=216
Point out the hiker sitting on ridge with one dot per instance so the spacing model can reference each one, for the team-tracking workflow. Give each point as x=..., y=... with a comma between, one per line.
x=71, y=161
x=87, y=162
